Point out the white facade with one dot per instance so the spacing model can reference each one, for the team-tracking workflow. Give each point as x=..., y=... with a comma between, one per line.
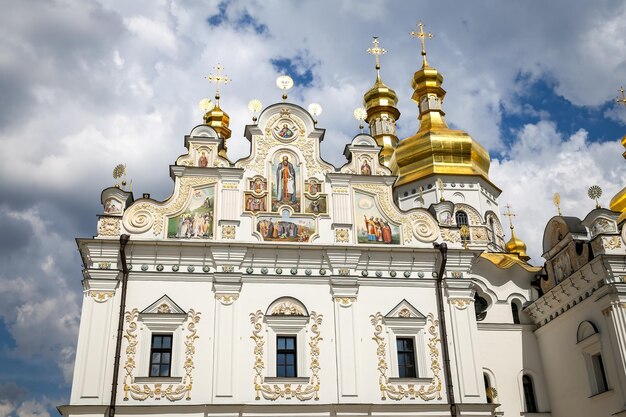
x=243, y=253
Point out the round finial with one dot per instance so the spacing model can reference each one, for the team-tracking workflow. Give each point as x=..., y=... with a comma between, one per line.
x=284, y=82
x=206, y=105
x=254, y=106
x=360, y=114
x=315, y=110
x=595, y=192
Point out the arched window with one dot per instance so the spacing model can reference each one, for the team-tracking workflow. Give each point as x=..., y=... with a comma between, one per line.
x=488, y=389
x=480, y=307
x=515, y=312
x=529, y=394
x=492, y=231
x=461, y=218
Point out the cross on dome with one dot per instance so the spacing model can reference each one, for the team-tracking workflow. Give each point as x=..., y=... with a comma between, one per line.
x=422, y=37
x=217, y=79
x=621, y=100
x=508, y=213
x=377, y=51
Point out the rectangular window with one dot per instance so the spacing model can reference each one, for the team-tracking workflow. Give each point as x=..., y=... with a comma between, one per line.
x=598, y=373
x=161, y=355
x=286, y=356
x=406, y=357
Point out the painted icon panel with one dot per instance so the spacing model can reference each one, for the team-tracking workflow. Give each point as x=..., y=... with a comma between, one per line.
x=286, y=186
x=371, y=225
x=285, y=228
x=196, y=221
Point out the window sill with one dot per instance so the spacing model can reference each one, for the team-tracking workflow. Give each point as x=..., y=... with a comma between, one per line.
x=284, y=380
x=415, y=381
x=602, y=394
x=157, y=379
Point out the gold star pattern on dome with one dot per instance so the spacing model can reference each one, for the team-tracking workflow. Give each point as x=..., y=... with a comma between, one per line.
x=217, y=79
x=422, y=37
x=377, y=51
x=621, y=100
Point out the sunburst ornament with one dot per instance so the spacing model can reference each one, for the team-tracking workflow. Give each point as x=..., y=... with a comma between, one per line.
x=315, y=110
x=284, y=82
x=118, y=172
x=206, y=105
x=464, y=231
x=360, y=114
x=595, y=192
x=254, y=106
x=557, y=202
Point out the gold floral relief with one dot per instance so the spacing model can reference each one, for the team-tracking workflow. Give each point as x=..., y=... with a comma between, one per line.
x=342, y=235
x=460, y=303
x=400, y=391
x=158, y=391
x=142, y=216
x=101, y=296
x=228, y=231
x=109, y=226
x=302, y=392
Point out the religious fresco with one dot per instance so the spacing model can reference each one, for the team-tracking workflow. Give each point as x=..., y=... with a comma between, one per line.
x=312, y=186
x=196, y=221
x=112, y=206
x=285, y=130
x=371, y=225
x=286, y=176
x=285, y=228
x=315, y=206
x=366, y=167
x=254, y=203
x=257, y=184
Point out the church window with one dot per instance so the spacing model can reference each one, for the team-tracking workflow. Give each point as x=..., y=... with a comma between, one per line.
x=406, y=357
x=161, y=355
x=480, y=307
x=286, y=356
x=529, y=394
x=461, y=218
x=598, y=373
x=492, y=231
x=488, y=389
x=515, y=312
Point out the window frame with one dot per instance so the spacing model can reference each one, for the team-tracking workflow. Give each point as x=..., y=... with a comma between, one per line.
x=286, y=351
x=407, y=354
x=161, y=350
x=457, y=217
x=590, y=344
x=286, y=325
x=413, y=327
x=533, y=393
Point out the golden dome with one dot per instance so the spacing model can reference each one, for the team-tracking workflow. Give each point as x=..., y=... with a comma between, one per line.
x=380, y=104
x=618, y=202
x=436, y=149
x=516, y=246
x=218, y=119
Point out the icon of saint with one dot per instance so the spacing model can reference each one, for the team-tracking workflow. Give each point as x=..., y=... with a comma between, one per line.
x=366, y=169
x=286, y=181
x=285, y=132
x=203, y=161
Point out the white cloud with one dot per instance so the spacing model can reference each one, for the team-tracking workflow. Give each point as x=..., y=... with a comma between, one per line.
x=32, y=409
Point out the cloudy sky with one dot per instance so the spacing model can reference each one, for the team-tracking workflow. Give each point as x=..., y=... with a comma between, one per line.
x=87, y=84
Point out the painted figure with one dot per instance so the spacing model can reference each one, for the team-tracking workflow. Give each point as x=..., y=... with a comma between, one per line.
x=366, y=169
x=203, y=161
x=286, y=181
x=285, y=132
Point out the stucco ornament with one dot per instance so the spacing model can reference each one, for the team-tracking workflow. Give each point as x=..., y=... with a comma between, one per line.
x=157, y=391
x=109, y=226
x=398, y=391
x=287, y=308
x=303, y=392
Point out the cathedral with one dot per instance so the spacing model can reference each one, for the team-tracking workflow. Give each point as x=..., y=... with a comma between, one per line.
x=281, y=285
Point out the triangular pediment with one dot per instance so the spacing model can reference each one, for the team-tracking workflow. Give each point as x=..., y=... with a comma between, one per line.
x=164, y=305
x=404, y=310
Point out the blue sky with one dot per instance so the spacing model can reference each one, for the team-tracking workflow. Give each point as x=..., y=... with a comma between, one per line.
x=85, y=85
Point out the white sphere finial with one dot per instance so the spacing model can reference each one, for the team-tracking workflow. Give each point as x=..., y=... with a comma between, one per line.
x=284, y=82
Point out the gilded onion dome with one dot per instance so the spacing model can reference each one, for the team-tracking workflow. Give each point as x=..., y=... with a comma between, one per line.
x=215, y=117
x=516, y=246
x=618, y=202
x=436, y=149
x=382, y=114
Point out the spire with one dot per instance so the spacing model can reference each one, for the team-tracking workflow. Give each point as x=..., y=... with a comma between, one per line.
x=380, y=105
x=515, y=245
x=422, y=37
x=215, y=117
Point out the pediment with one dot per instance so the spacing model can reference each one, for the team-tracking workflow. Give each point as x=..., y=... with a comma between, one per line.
x=164, y=305
x=404, y=310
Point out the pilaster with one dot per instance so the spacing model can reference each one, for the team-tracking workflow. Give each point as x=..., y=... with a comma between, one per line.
x=344, y=293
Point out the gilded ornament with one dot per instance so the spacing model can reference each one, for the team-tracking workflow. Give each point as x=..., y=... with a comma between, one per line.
x=404, y=313
x=104, y=265
x=612, y=242
x=228, y=269
x=345, y=301
x=227, y=299
x=109, y=226
x=101, y=296
x=287, y=308
x=157, y=391
x=230, y=185
x=228, y=231
x=344, y=271
x=452, y=236
x=286, y=391
x=460, y=303
x=398, y=391
x=340, y=190
x=342, y=235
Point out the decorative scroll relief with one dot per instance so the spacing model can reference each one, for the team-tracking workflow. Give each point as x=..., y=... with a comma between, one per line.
x=157, y=391
x=109, y=226
x=101, y=296
x=287, y=308
x=286, y=391
x=398, y=391
x=419, y=224
x=460, y=303
x=612, y=242
x=345, y=301
x=227, y=299
x=142, y=216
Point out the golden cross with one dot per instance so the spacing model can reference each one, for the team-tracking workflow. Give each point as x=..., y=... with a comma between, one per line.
x=621, y=100
x=376, y=51
x=217, y=79
x=508, y=213
x=422, y=36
